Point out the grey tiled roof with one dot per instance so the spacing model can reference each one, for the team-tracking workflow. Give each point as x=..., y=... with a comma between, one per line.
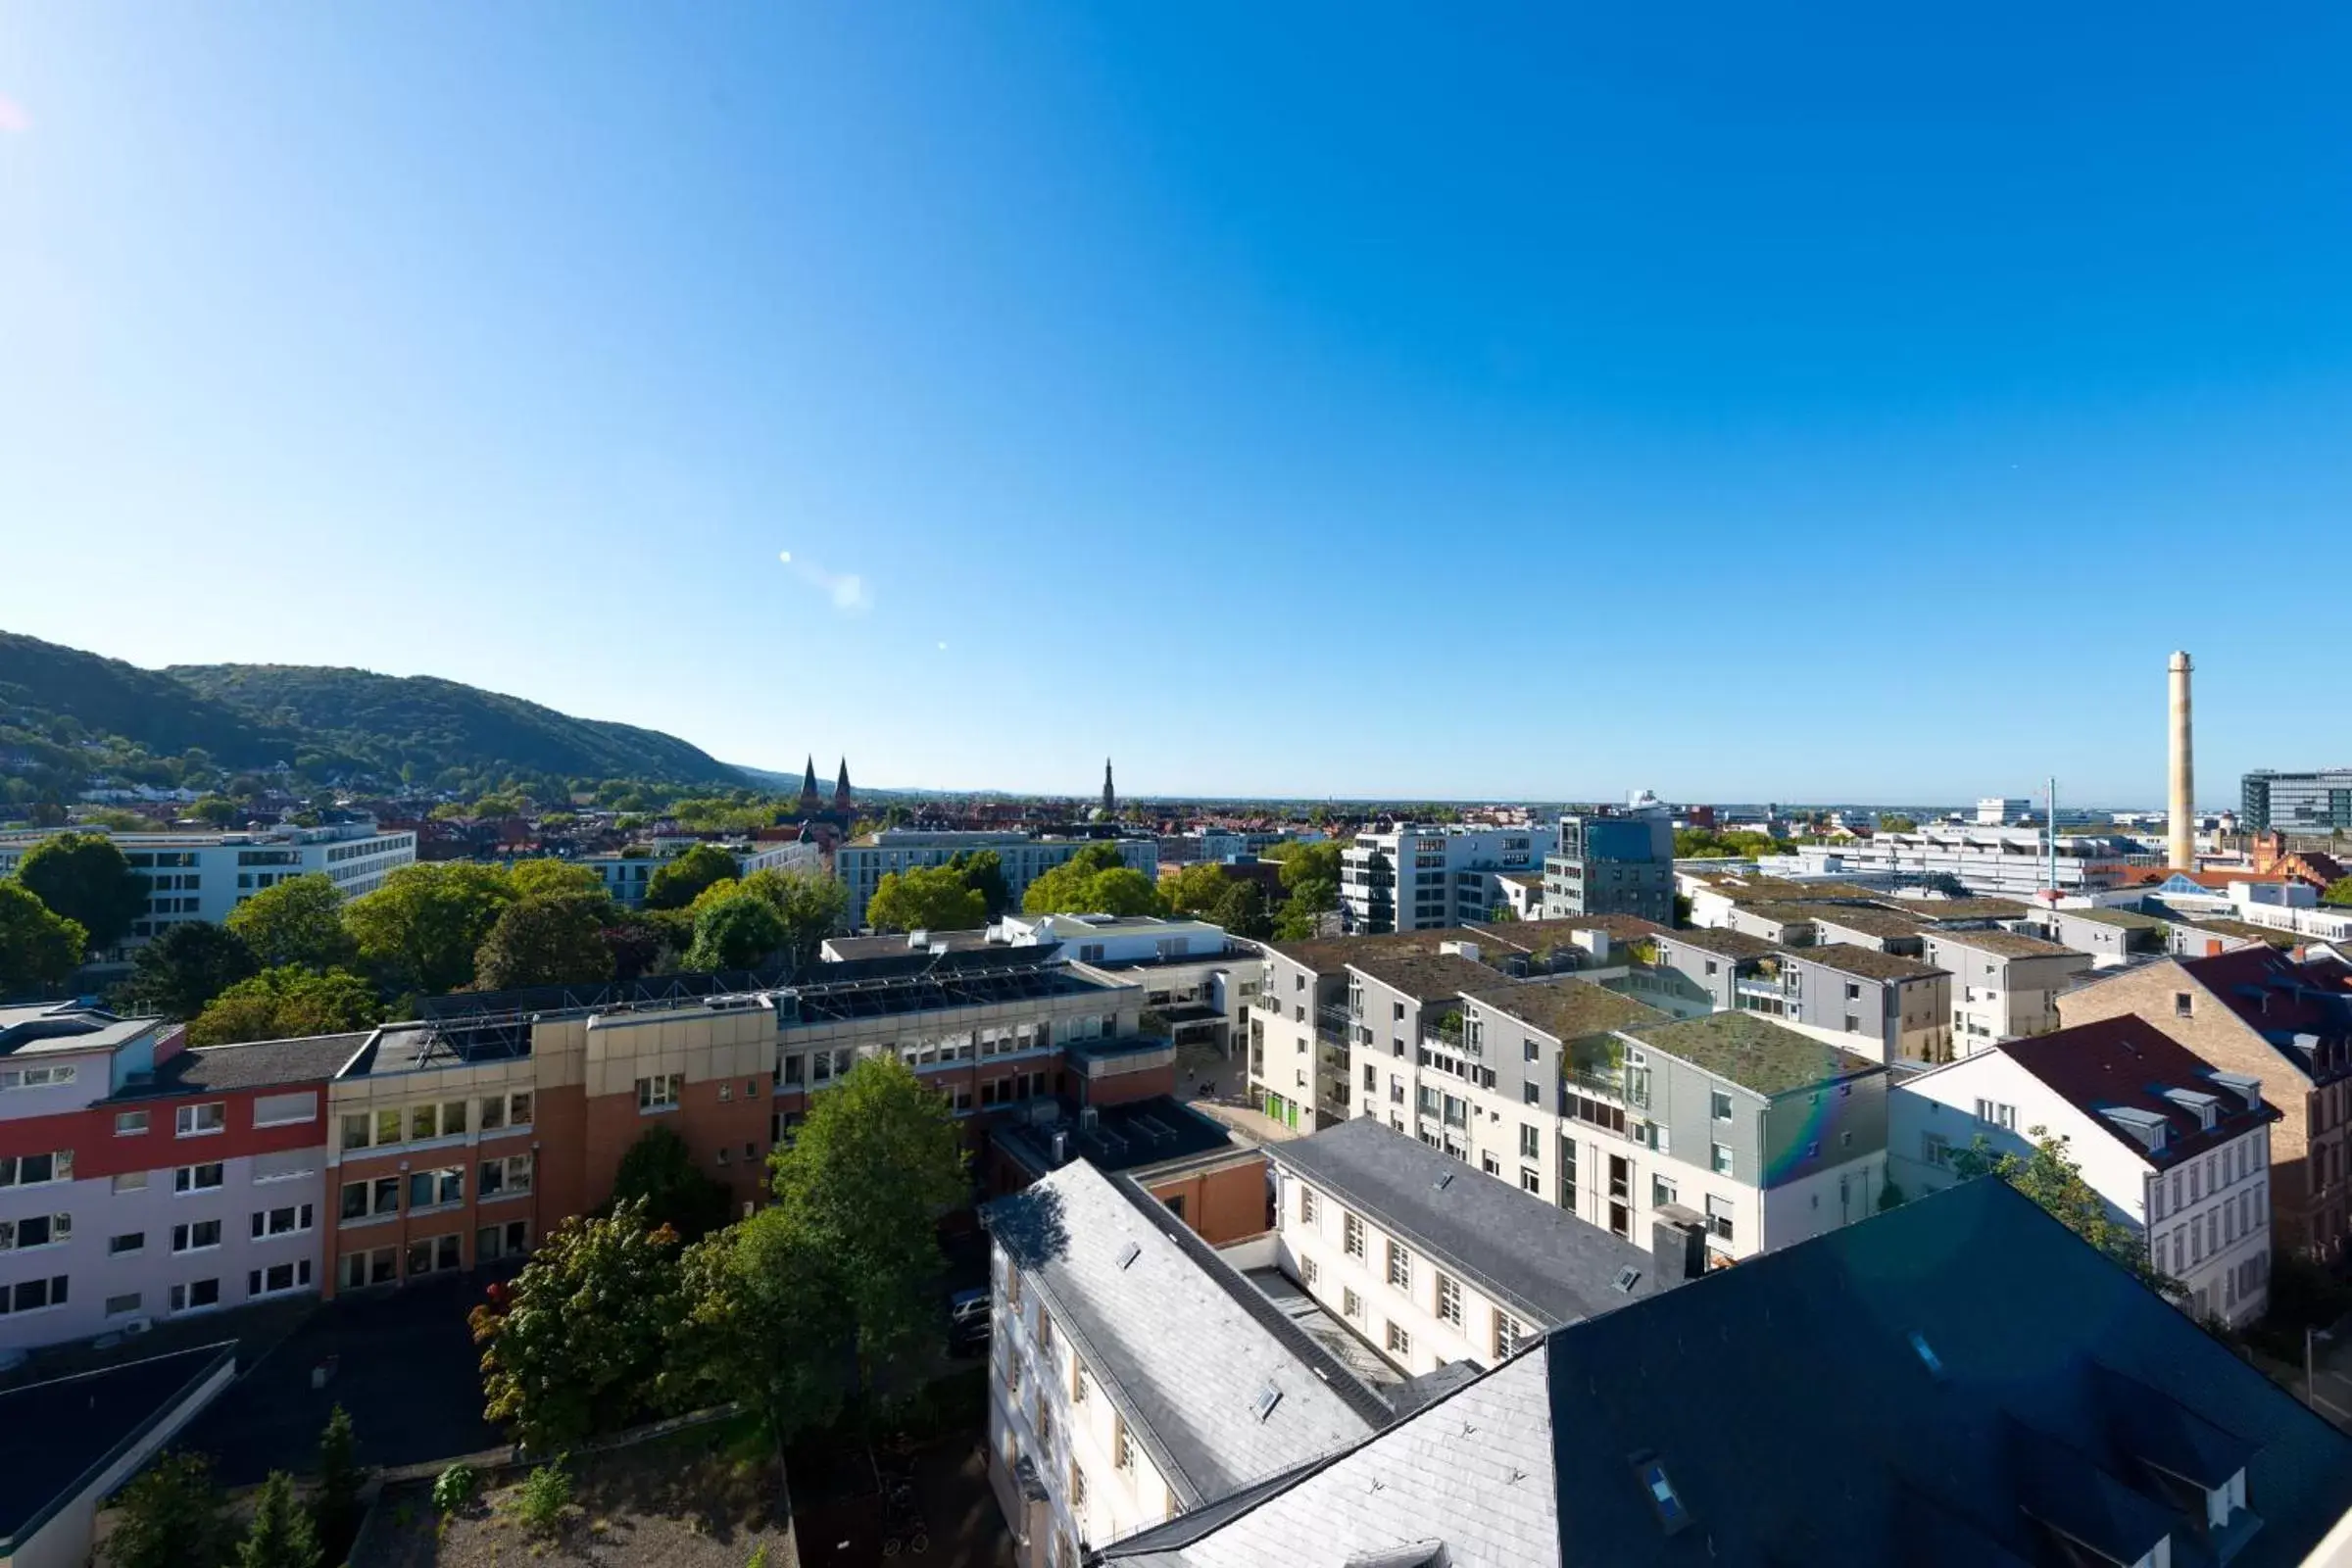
x=1545, y=1265
x=1176, y=1339
x=262, y=1064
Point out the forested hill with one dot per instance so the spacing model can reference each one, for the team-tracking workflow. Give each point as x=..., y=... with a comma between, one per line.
x=60, y=706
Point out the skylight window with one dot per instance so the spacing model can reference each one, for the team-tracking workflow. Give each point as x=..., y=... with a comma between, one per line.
x=1268, y=1396
x=1129, y=1253
x=1927, y=1355
x=1651, y=1473
x=1627, y=1278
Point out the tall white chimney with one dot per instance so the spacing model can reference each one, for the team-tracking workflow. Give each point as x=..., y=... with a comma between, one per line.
x=2181, y=821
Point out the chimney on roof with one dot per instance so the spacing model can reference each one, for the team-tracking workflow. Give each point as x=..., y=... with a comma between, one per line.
x=1678, y=1243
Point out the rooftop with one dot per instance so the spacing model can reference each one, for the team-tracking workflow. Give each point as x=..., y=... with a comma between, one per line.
x=1871, y=919
x=1722, y=942
x=1120, y=1138
x=55, y=1027
x=840, y=950
x=57, y=1438
x=1867, y=962
x=1535, y=936
x=2126, y=1063
x=1543, y=1263
x=1940, y=912
x=262, y=1064
x=1998, y=1394
x=1178, y=1340
x=1424, y=976
x=1566, y=1007
x=2009, y=945
x=1753, y=1051
x=2126, y=920
x=1331, y=955
x=1744, y=889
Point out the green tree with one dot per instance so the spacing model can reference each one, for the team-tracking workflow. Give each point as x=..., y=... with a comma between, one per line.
x=40, y=949
x=187, y=964
x=573, y=1345
x=741, y=931
x=299, y=922
x=1196, y=889
x=2055, y=1182
x=548, y=878
x=925, y=897
x=1123, y=892
x=765, y=1321
x=983, y=871
x=549, y=941
x=1317, y=862
x=2338, y=891
x=216, y=811
x=1242, y=911
x=422, y=927
x=677, y=880
x=657, y=1175
x=812, y=908
x=285, y=1003
x=281, y=1535
x=83, y=877
x=1896, y=822
x=169, y=1517
x=866, y=1181
x=335, y=1509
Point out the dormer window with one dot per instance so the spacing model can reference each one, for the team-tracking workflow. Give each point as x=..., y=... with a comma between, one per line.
x=2183, y=1004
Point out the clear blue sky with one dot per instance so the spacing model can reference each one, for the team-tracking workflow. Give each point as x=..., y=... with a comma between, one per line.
x=1740, y=401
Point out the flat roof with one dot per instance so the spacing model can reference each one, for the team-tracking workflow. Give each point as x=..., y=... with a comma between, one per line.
x=1868, y=962
x=1942, y=909
x=1871, y=919
x=1566, y=1007
x=1722, y=942
x=2128, y=919
x=1424, y=976
x=57, y=1438
x=1125, y=1137
x=62, y=1027
x=2008, y=943
x=1753, y=1051
x=1546, y=1266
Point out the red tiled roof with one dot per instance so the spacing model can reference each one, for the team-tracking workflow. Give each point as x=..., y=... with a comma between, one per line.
x=2126, y=1062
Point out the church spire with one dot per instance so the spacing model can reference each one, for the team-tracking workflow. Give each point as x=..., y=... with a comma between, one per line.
x=1110, y=799
x=808, y=798
x=841, y=787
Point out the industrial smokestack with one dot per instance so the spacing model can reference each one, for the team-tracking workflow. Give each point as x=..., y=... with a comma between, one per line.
x=2181, y=822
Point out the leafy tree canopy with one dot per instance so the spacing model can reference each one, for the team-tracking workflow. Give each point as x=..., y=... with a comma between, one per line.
x=169, y=1517
x=545, y=878
x=2054, y=1181
x=573, y=1347
x=983, y=871
x=557, y=939
x=677, y=880
x=925, y=897
x=83, y=877
x=422, y=926
x=659, y=1177
x=812, y=908
x=2338, y=892
x=40, y=949
x=285, y=1003
x=866, y=1181
x=299, y=922
x=1196, y=889
x=741, y=931
x=765, y=1321
x=1242, y=911
x=1318, y=862
x=187, y=964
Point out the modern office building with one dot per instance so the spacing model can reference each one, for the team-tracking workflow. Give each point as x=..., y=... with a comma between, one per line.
x=1420, y=878
x=2272, y=802
x=1609, y=864
x=201, y=876
x=862, y=862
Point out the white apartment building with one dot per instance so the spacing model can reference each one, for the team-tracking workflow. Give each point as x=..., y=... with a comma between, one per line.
x=1429, y=1264
x=1418, y=878
x=2004, y=984
x=201, y=876
x=2176, y=1148
x=1135, y=1375
x=862, y=862
x=2011, y=860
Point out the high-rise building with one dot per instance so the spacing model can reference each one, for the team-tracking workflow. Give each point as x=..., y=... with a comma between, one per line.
x=1422, y=878
x=2319, y=802
x=1611, y=864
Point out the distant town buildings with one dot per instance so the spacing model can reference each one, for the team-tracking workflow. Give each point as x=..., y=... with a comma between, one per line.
x=862, y=862
x=1611, y=866
x=1421, y=877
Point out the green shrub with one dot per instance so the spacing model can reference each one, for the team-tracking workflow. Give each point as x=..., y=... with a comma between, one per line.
x=543, y=1497
x=456, y=1487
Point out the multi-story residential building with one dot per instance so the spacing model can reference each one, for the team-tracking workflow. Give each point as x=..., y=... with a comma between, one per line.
x=627, y=876
x=2287, y=1026
x=1431, y=1266
x=2004, y=983
x=1421, y=878
x=1715, y=966
x=1134, y=1375
x=1867, y=925
x=2317, y=801
x=2178, y=1149
x=862, y=862
x=2111, y=936
x=1608, y=865
x=2013, y=860
x=201, y=876
x=1959, y=1381
x=1883, y=1006
x=187, y=1180
x=1404, y=1014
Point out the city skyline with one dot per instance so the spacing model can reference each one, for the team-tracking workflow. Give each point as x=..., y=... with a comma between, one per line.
x=1572, y=405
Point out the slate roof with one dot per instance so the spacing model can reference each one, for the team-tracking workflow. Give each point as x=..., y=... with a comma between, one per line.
x=1175, y=1338
x=261, y=1064
x=1753, y=1052
x=2126, y=1062
x=2284, y=1002
x=1722, y=942
x=1949, y=1384
x=1867, y=962
x=56, y=1437
x=1424, y=976
x=1545, y=1265
x=1567, y=1007
x=2008, y=943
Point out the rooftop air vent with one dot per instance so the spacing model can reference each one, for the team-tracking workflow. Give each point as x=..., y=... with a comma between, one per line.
x=1442, y=1181
x=1627, y=1278
x=1129, y=1253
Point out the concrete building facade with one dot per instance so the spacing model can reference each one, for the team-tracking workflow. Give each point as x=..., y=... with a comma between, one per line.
x=1425, y=877
x=1609, y=864
x=2004, y=984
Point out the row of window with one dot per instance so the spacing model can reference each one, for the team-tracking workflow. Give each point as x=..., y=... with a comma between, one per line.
x=1447, y=1290
x=440, y=1188
x=431, y=1255
x=448, y=1119
x=2200, y=1179
x=36, y=1077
